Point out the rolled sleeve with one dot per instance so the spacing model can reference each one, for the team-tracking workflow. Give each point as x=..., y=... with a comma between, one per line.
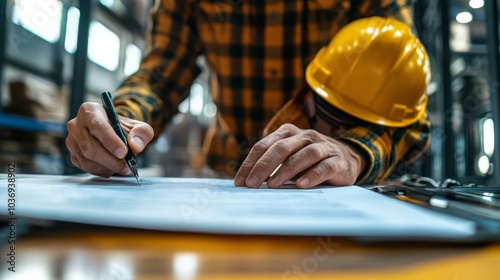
x=386, y=148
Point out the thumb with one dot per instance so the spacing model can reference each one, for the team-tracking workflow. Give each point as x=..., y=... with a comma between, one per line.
x=139, y=136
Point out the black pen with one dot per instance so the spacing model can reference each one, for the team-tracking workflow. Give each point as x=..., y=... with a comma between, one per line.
x=130, y=159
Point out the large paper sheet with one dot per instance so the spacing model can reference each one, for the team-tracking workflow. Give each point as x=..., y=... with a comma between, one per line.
x=217, y=206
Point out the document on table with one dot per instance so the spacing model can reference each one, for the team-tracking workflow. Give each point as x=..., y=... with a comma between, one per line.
x=217, y=206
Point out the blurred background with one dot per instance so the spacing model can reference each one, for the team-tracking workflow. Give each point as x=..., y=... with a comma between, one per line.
x=45, y=77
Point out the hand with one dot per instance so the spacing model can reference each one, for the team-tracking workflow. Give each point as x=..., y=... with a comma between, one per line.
x=94, y=145
x=307, y=154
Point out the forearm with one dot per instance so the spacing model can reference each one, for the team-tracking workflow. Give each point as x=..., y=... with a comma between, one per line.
x=167, y=70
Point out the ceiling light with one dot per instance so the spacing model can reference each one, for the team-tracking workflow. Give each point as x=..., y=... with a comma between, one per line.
x=476, y=4
x=464, y=17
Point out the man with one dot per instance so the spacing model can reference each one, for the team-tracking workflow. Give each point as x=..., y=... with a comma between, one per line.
x=366, y=93
x=259, y=50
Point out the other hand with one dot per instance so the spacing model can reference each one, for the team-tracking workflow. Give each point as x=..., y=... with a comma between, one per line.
x=95, y=147
x=307, y=155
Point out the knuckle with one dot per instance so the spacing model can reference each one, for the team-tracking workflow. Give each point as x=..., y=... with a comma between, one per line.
x=286, y=126
x=87, y=107
x=260, y=147
x=69, y=144
x=149, y=131
x=70, y=125
x=75, y=162
x=315, y=152
x=287, y=129
x=247, y=165
x=289, y=166
x=327, y=168
x=282, y=148
x=324, y=170
x=88, y=150
x=317, y=172
x=310, y=134
x=262, y=165
x=95, y=125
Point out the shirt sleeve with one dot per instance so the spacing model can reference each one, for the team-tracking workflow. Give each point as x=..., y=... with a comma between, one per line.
x=387, y=148
x=168, y=68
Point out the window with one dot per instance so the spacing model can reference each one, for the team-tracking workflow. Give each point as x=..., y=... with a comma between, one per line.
x=41, y=17
x=72, y=30
x=104, y=46
x=133, y=56
x=488, y=137
x=107, y=3
x=487, y=145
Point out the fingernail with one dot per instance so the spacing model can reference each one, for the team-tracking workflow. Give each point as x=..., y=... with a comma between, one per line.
x=239, y=181
x=119, y=153
x=303, y=183
x=138, y=142
x=253, y=181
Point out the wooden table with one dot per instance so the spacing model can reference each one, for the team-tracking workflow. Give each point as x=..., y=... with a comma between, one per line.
x=72, y=251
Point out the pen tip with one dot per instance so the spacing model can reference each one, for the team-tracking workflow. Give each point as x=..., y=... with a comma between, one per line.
x=136, y=174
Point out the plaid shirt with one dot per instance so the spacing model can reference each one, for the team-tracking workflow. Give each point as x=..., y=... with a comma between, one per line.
x=259, y=50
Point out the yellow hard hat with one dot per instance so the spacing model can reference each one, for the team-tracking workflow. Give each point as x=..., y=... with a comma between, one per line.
x=374, y=69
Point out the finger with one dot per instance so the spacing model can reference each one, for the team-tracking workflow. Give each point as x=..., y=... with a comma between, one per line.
x=271, y=159
x=74, y=161
x=277, y=154
x=297, y=163
x=244, y=176
x=97, y=123
x=92, y=166
x=99, y=170
x=139, y=136
x=73, y=150
x=334, y=170
x=76, y=157
x=93, y=153
x=94, y=169
x=87, y=149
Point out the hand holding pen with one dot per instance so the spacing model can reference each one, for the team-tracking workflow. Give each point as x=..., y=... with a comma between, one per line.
x=130, y=159
x=94, y=145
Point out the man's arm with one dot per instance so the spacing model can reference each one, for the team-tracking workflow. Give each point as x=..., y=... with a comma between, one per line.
x=168, y=69
x=151, y=95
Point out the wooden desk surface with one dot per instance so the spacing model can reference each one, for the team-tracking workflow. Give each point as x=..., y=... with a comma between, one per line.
x=115, y=253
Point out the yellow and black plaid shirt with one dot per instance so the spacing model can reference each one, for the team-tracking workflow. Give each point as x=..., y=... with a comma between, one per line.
x=259, y=50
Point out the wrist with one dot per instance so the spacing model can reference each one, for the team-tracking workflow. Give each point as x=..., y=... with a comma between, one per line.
x=360, y=157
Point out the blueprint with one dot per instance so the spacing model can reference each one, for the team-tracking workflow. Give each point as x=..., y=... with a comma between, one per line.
x=217, y=206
